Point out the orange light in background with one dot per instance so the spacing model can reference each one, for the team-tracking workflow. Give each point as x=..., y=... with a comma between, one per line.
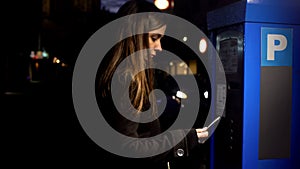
x=162, y=4
x=56, y=60
x=36, y=65
x=39, y=55
x=64, y=65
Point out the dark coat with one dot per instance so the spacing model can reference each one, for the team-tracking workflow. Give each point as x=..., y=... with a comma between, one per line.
x=145, y=130
x=181, y=151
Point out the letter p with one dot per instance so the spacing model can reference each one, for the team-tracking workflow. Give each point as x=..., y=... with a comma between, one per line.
x=273, y=46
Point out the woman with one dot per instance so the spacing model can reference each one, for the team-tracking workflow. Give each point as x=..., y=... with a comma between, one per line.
x=123, y=63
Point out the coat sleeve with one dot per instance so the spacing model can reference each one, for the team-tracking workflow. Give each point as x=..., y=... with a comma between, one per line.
x=161, y=146
x=149, y=143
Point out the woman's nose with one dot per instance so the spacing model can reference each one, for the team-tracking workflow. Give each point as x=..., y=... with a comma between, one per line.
x=158, y=46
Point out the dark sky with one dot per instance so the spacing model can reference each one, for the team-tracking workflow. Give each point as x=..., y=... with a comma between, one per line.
x=114, y=5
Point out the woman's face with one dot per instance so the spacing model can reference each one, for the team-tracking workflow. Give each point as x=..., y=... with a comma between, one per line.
x=154, y=40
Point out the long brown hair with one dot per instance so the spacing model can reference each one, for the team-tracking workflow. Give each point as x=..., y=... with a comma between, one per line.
x=143, y=82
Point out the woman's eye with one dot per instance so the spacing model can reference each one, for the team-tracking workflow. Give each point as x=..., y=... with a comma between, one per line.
x=155, y=37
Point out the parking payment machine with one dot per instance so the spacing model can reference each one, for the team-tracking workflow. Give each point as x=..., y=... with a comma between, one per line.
x=258, y=44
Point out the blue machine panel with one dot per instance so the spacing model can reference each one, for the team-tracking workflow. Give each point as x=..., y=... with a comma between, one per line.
x=271, y=44
x=253, y=60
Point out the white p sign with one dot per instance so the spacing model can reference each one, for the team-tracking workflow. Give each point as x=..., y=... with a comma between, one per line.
x=272, y=46
x=276, y=46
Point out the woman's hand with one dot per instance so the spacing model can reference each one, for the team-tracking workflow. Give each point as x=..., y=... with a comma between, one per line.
x=202, y=133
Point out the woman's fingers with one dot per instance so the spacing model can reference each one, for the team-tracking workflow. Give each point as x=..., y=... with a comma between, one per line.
x=202, y=132
x=201, y=129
